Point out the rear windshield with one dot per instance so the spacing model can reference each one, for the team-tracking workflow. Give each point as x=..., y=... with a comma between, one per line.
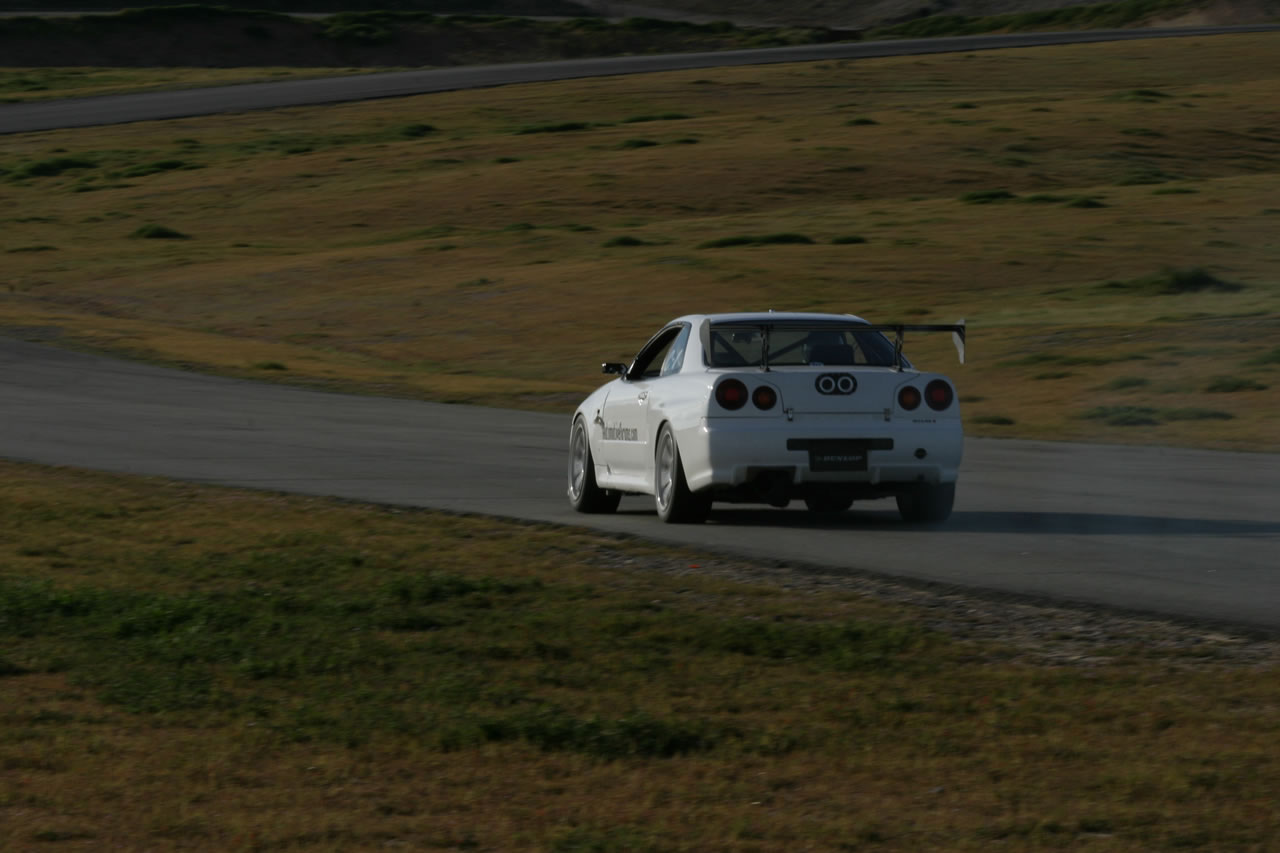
x=739, y=346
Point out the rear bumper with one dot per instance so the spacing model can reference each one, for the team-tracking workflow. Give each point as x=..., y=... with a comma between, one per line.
x=732, y=451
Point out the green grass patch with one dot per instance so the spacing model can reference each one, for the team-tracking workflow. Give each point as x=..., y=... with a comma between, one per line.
x=657, y=117
x=52, y=167
x=1196, y=414
x=848, y=240
x=1147, y=96
x=987, y=196
x=637, y=735
x=757, y=240
x=637, y=143
x=1145, y=175
x=159, y=232
x=861, y=122
x=625, y=240
x=1233, y=384
x=1266, y=358
x=1127, y=416
x=993, y=420
x=158, y=166
x=556, y=127
x=1150, y=416
x=416, y=130
x=1171, y=282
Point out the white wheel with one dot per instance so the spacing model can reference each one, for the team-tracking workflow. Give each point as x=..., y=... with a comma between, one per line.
x=584, y=494
x=671, y=495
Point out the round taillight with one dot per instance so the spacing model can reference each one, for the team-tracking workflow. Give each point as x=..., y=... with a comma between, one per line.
x=938, y=395
x=764, y=397
x=731, y=394
x=909, y=397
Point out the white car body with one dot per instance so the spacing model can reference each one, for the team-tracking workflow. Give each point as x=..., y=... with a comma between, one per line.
x=839, y=427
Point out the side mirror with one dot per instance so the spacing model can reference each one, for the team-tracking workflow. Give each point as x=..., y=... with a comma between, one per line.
x=613, y=367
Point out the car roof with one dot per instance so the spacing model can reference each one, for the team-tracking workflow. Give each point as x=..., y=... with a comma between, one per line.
x=771, y=317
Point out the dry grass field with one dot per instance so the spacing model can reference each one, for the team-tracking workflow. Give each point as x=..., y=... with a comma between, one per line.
x=1105, y=217
x=211, y=669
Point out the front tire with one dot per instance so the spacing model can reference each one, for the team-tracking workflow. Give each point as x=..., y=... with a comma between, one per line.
x=927, y=504
x=671, y=495
x=584, y=494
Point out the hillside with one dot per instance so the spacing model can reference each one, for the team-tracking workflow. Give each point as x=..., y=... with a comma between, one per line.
x=217, y=37
x=473, y=7
x=888, y=17
x=871, y=14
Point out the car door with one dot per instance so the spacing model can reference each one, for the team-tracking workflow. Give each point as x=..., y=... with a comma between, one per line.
x=626, y=440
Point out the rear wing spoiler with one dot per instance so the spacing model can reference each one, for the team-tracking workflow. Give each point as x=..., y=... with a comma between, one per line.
x=899, y=330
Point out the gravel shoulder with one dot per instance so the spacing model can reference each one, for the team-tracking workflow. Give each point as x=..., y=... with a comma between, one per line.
x=1008, y=628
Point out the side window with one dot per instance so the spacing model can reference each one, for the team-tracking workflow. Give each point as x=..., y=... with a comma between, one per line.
x=874, y=348
x=675, y=356
x=648, y=364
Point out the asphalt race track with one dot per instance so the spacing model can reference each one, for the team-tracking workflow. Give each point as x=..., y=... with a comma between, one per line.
x=1184, y=532
x=147, y=106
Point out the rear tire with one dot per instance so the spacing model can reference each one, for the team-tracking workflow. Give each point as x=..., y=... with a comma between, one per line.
x=584, y=494
x=927, y=504
x=671, y=496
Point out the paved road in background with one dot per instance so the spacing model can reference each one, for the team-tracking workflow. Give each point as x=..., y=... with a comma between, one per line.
x=1186, y=532
x=147, y=106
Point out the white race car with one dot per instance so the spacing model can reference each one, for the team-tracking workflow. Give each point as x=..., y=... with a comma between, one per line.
x=767, y=408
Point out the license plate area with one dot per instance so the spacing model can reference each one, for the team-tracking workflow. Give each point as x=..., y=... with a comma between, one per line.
x=839, y=454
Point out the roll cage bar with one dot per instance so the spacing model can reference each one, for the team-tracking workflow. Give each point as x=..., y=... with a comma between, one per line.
x=766, y=327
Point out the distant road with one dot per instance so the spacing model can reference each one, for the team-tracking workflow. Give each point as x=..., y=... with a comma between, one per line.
x=1165, y=530
x=150, y=106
